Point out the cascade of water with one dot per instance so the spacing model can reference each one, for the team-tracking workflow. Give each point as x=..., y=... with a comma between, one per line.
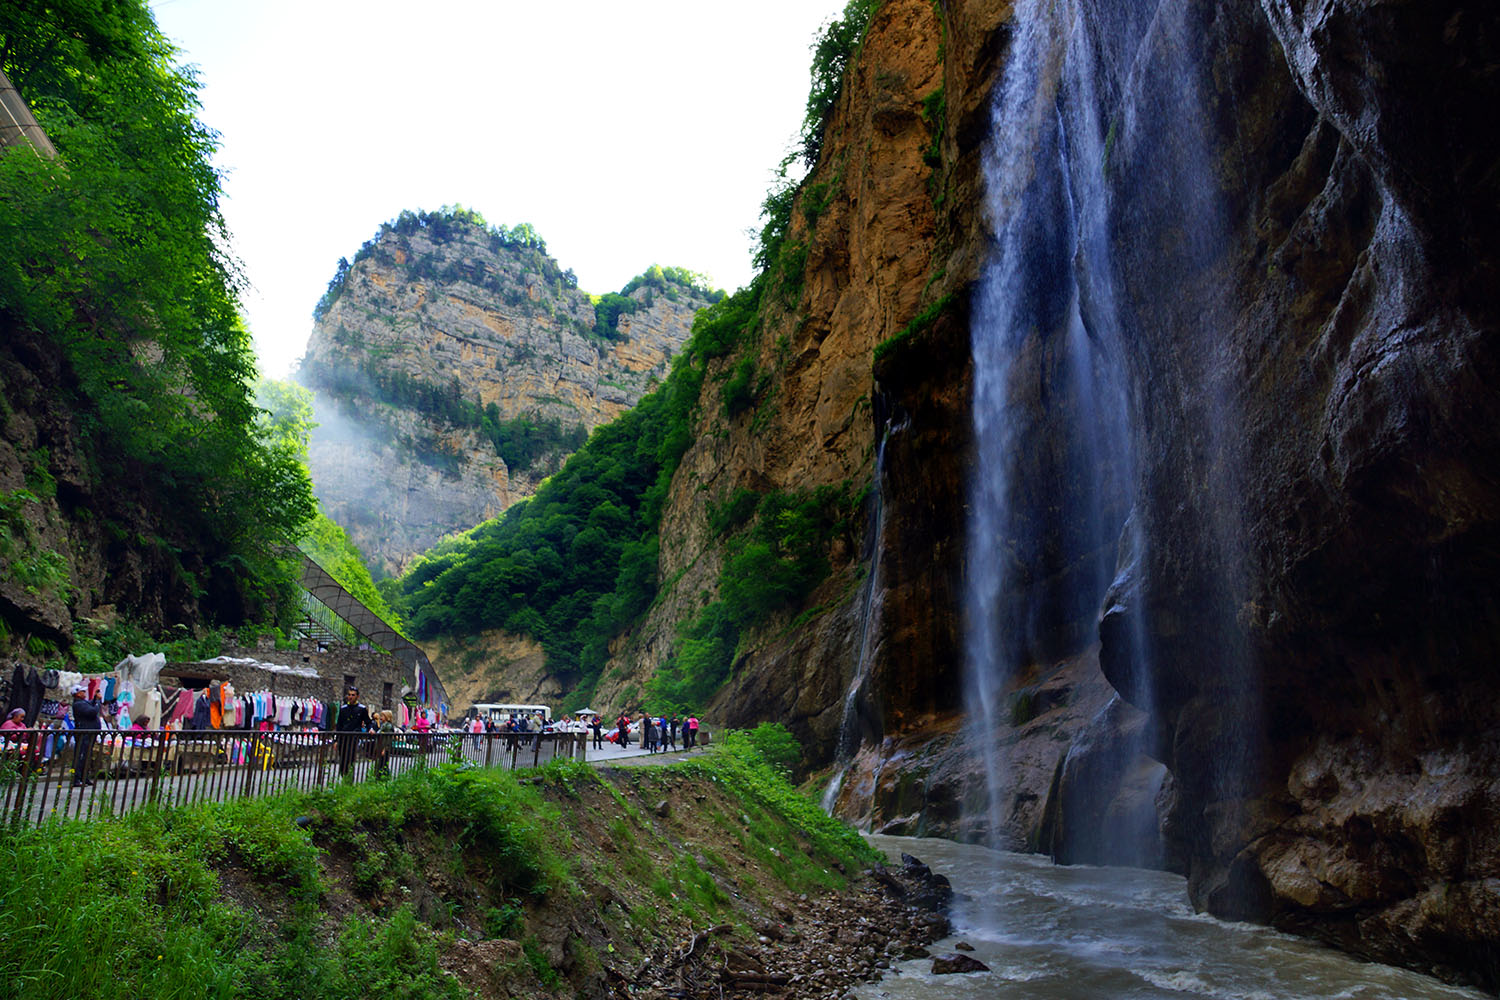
x=1047, y=292
x=855, y=725
x=1023, y=130
x=1099, y=123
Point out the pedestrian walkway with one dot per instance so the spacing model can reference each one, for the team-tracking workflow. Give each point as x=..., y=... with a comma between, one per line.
x=125, y=771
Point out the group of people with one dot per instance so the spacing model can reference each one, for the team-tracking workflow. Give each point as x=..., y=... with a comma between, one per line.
x=354, y=718
x=658, y=733
x=84, y=721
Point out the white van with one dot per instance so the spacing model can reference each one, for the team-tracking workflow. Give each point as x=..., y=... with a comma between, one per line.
x=501, y=711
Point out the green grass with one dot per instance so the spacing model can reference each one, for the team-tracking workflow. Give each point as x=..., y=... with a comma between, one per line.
x=304, y=895
x=812, y=846
x=139, y=906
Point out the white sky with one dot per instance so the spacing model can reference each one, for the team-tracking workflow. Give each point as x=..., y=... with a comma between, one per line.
x=627, y=134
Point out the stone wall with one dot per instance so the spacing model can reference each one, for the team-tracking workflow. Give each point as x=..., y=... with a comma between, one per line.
x=372, y=670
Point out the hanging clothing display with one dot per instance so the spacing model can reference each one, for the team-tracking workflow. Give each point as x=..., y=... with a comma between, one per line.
x=150, y=709
x=202, y=719
x=26, y=692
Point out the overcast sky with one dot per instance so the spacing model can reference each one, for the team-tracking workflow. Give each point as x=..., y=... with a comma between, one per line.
x=627, y=134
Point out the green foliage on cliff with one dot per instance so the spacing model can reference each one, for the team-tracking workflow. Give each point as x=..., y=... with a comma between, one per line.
x=670, y=282
x=522, y=440
x=607, y=312
x=547, y=570
x=832, y=53
x=112, y=259
x=742, y=387
x=733, y=512
x=576, y=565
x=329, y=546
x=926, y=318
x=769, y=568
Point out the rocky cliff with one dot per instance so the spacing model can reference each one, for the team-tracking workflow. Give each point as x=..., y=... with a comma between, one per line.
x=866, y=223
x=1319, y=490
x=1274, y=225
x=438, y=341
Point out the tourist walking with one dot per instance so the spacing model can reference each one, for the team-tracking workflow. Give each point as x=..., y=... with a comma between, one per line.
x=352, y=719
x=385, y=734
x=598, y=728
x=690, y=733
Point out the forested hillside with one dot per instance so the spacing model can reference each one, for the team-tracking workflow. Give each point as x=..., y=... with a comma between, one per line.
x=577, y=564
x=134, y=471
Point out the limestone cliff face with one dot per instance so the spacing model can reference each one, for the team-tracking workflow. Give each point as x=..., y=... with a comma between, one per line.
x=869, y=253
x=495, y=667
x=432, y=315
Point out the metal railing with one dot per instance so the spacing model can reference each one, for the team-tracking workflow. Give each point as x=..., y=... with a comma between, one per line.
x=78, y=775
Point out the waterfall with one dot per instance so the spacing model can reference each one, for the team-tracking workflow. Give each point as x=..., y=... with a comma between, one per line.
x=1026, y=268
x=1097, y=119
x=854, y=725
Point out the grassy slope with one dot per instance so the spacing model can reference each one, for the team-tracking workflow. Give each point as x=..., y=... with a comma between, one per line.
x=438, y=884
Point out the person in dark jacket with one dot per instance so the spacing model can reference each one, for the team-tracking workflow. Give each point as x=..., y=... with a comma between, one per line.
x=85, y=731
x=353, y=719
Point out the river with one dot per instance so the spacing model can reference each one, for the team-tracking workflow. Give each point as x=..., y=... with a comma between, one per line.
x=1054, y=932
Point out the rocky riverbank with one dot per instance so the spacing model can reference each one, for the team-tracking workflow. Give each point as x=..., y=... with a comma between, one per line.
x=815, y=948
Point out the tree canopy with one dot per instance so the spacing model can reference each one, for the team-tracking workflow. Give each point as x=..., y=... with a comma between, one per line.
x=116, y=255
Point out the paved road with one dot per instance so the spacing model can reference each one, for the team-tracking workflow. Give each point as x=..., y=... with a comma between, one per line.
x=636, y=757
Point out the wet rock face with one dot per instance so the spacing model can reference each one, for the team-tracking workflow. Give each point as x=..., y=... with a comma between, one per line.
x=1302, y=208
x=1320, y=500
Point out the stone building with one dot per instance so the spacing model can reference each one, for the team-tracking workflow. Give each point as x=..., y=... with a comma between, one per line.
x=317, y=668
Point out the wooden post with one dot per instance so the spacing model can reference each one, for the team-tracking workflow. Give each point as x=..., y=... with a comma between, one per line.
x=251, y=763
x=161, y=759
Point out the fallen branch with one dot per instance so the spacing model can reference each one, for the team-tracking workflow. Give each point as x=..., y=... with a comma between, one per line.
x=701, y=937
x=764, y=978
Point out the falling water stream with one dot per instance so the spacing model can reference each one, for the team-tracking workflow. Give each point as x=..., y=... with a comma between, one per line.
x=1050, y=335
x=1080, y=933
x=852, y=729
x=1000, y=320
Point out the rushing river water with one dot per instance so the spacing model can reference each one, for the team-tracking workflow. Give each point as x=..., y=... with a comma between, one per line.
x=1077, y=933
